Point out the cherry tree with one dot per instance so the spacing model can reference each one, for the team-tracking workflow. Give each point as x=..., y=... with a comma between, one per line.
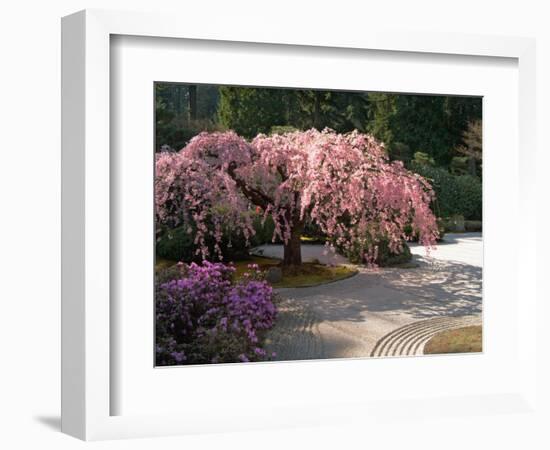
x=344, y=183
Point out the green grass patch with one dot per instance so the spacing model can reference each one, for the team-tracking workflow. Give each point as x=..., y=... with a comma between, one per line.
x=264, y=264
x=163, y=263
x=308, y=274
x=461, y=340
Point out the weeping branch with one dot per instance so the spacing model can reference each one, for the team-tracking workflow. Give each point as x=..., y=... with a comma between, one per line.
x=254, y=195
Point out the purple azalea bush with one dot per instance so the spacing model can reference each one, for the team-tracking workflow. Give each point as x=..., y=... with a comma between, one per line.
x=204, y=316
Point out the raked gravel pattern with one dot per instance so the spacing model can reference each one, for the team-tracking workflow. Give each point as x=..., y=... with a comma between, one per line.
x=384, y=312
x=410, y=340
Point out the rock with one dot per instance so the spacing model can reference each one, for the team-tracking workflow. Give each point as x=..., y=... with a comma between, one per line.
x=274, y=275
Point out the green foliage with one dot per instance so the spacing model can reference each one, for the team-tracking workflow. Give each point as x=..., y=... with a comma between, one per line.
x=282, y=129
x=338, y=110
x=385, y=257
x=178, y=131
x=264, y=231
x=441, y=228
x=175, y=125
x=459, y=165
x=455, y=224
x=443, y=183
x=249, y=111
x=473, y=225
x=383, y=109
x=178, y=244
x=472, y=147
x=462, y=112
x=423, y=159
x=471, y=196
x=399, y=151
x=454, y=194
x=433, y=124
x=440, y=126
x=174, y=99
x=312, y=232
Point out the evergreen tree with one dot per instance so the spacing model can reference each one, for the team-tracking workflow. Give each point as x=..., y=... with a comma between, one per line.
x=471, y=147
x=249, y=111
x=426, y=123
x=337, y=110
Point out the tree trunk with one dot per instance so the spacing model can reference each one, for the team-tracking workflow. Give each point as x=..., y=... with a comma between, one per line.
x=293, y=248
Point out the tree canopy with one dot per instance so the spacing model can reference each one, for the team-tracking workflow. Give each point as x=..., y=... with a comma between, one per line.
x=344, y=183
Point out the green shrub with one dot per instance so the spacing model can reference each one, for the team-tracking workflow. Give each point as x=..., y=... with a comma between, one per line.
x=455, y=224
x=282, y=129
x=264, y=231
x=423, y=159
x=444, y=185
x=470, y=198
x=178, y=244
x=385, y=257
x=313, y=233
x=441, y=228
x=459, y=165
x=178, y=131
x=454, y=194
x=473, y=225
x=399, y=151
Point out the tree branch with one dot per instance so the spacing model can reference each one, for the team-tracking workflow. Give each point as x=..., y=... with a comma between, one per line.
x=254, y=195
x=281, y=173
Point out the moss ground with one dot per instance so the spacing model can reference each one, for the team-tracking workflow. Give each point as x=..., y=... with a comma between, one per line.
x=461, y=340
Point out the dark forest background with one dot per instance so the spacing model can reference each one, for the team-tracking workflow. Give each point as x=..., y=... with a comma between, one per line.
x=433, y=125
x=439, y=137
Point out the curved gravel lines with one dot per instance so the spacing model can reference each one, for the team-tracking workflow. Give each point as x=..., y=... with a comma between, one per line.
x=296, y=335
x=409, y=340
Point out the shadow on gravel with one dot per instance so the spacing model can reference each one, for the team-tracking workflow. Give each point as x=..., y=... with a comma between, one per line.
x=439, y=288
x=436, y=289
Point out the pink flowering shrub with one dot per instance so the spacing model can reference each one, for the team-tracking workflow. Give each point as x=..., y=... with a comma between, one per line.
x=344, y=183
x=203, y=316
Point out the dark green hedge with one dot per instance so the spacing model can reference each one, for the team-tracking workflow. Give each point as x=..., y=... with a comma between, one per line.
x=178, y=244
x=385, y=258
x=471, y=196
x=454, y=194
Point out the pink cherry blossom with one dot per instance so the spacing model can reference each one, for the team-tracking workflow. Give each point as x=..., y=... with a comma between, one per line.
x=342, y=182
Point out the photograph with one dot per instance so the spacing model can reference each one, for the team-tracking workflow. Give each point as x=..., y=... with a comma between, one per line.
x=306, y=224
x=278, y=225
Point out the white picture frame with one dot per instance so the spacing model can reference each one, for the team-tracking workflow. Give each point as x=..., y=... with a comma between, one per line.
x=87, y=386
